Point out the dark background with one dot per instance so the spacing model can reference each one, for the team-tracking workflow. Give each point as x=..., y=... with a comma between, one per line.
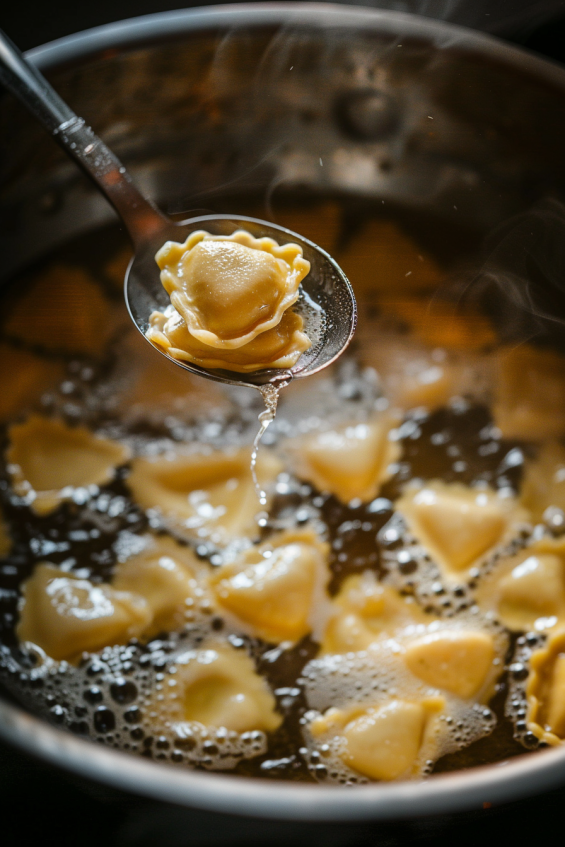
x=40, y=805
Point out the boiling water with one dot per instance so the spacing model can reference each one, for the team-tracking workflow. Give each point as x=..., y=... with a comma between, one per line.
x=109, y=696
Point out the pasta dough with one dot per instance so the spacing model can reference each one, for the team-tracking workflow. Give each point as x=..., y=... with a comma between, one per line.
x=527, y=591
x=529, y=399
x=70, y=313
x=383, y=742
x=229, y=289
x=216, y=685
x=366, y=610
x=279, y=347
x=65, y=615
x=278, y=587
x=351, y=461
x=204, y=493
x=456, y=660
x=166, y=575
x=24, y=378
x=457, y=525
x=545, y=691
x=48, y=459
x=543, y=485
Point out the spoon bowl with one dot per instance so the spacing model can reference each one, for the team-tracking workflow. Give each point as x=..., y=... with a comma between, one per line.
x=326, y=301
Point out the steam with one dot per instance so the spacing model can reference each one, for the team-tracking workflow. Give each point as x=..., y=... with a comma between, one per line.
x=508, y=17
x=522, y=279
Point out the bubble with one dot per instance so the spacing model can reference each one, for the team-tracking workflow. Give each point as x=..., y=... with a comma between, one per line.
x=104, y=719
x=123, y=691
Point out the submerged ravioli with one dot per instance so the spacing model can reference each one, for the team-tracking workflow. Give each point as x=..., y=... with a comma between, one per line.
x=543, y=485
x=204, y=493
x=229, y=289
x=24, y=378
x=351, y=461
x=279, y=347
x=366, y=610
x=545, y=691
x=166, y=576
x=386, y=741
x=527, y=591
x=277, y=587
x=70, y=313
x=216, y=685
x=529, y=398
x=440, y=323
x=65, y=615
x=456, y=524
x=48, y=459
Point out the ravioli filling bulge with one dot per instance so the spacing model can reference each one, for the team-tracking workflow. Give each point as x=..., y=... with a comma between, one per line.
x=351, y=461
x=65, y=615
x=231, y=299
x=217, y=685
x=48, y=459
x=456, y=524
x=211, y=493
x=277, y=587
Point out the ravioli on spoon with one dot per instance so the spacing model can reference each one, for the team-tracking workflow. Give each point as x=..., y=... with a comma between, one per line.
x=231, y=302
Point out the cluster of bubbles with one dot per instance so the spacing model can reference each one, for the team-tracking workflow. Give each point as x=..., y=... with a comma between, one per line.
x=373, y=678
x=518, y=672
x=110, y=698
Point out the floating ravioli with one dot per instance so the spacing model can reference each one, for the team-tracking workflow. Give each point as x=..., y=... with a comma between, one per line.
x=205, y=493
x=48, y=459
x=24, y=378
x=229, y=289
x=545, y=691
x=543, y=484
x=457, y=525
x=455, y=660
x=529, y=398
x=277, y=587
x=351, y=461
x=440, y=323
x=65, y=615
x=381, y=258
x=527, y=591
x=413, y=375
x=217, y=685
x=384, y=742
x=279, y=347
x=65, y=310
x=366, y=610
x=166, y=576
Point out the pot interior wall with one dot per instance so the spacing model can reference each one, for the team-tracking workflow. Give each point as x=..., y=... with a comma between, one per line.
x=246, y=109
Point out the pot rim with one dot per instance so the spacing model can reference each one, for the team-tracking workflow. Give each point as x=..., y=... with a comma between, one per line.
x=447, y=793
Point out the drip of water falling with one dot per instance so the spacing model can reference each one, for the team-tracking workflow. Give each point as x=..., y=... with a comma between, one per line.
x=270, y=394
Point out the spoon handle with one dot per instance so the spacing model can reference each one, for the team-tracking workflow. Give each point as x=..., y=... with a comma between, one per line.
x=141, y=218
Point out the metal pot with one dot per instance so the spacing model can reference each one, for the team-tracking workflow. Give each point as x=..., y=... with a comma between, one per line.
x=380, y=105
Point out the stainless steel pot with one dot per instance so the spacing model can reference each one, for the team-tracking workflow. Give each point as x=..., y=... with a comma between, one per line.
x=376, y=104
